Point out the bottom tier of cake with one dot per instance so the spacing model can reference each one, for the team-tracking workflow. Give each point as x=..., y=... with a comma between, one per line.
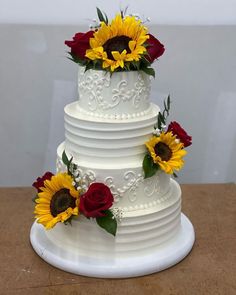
x=147, y=241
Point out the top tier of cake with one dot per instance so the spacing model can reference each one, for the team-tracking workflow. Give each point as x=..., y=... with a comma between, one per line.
x=121, y=95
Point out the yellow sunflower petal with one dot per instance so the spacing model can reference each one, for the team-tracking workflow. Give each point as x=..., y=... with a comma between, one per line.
x=132, y=45
x=175, y=152
x=44, y=201
x=119, y=27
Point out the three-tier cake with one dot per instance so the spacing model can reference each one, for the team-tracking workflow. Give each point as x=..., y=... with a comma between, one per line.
x=105, y=135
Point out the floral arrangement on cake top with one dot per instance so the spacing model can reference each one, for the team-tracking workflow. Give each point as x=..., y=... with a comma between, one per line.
x=165, y=149
x=122, y=44
x=63, y=196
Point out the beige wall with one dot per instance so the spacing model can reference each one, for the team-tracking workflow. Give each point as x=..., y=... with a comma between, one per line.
x=36, y=81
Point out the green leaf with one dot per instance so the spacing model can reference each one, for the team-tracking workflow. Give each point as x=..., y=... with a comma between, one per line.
x=145, y=62
x=136, y=65
x=149, y=167
x=106, y=18
x=175, y=175
x=65, y=159
x=101, y=17
x=89, y=66
x=161, y=119
x=108, y=222
x=149, y=71
x=35, y=198
x=123, y=12
x=127, y=66
x=69, y=167
x=165, y=106
x=76, y=59
x=168, y=102
x=70, y=58
x=67, y=162
x=69, y=220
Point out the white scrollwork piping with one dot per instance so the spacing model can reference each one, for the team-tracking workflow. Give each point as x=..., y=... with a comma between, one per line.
x=132, y=183
x=152, y=185
x=93, y=87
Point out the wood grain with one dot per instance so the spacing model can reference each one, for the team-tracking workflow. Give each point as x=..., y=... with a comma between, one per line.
x=209, y=269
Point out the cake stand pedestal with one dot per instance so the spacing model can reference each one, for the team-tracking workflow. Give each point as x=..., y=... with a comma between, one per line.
x=164, y=256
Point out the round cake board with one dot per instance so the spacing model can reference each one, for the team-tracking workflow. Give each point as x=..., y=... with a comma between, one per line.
x=162, y=257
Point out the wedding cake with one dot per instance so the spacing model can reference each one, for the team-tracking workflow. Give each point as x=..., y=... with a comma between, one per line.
x=113, y=182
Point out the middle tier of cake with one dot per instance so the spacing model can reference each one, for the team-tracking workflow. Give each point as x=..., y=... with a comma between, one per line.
x=102, y=141
x=130, y=190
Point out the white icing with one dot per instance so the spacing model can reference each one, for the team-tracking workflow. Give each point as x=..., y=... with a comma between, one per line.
x=122, y=94
x=138, y=232
x=123, y=116
x=103, y=141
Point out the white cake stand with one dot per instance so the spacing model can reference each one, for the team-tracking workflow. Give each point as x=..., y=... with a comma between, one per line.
x=161, y=258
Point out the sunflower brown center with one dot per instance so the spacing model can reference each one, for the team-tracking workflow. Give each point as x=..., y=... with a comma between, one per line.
x=163, y=151
x=61, y=201
x=118, y=43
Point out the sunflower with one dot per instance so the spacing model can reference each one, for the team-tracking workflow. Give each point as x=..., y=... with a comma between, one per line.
x=57, y=202
x=166, y=151
x=119, y=42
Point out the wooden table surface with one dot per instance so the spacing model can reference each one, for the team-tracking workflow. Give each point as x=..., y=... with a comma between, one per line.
x=209, y=269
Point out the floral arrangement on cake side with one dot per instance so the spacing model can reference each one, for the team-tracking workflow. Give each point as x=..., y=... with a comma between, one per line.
x=165, y=149
x=63, y=196
x=122, y=44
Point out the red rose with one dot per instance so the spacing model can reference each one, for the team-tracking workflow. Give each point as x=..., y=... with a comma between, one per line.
x=40, y=181
x=97, y=199
x=180, y=133
x=80, y=43
x=154, y=48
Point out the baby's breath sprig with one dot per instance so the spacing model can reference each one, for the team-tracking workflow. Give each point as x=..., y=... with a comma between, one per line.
x=117, y=214
x=94, y=25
